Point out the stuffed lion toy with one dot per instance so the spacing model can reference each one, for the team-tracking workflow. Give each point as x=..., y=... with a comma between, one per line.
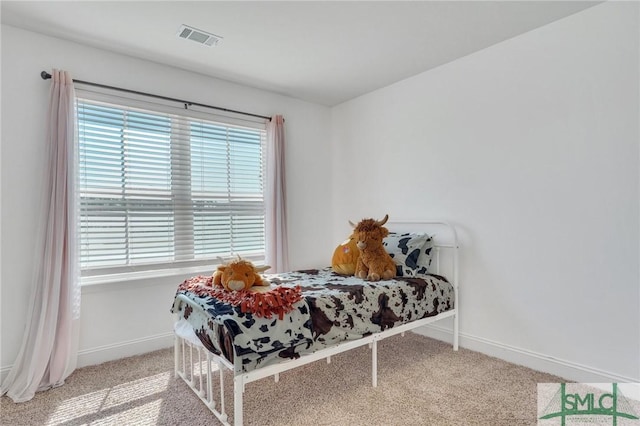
x=239, y=275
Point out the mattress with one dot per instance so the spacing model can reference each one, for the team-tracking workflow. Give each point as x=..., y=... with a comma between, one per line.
x=332, y=308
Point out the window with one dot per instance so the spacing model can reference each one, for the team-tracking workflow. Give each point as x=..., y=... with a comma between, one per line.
x=160, y=190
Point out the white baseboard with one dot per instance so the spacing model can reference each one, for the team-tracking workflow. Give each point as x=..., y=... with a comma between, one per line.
x=124, y=349
x=119, y=350
x=568, y=370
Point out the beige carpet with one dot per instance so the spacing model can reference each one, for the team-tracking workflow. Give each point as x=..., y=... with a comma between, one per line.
x=420, y=382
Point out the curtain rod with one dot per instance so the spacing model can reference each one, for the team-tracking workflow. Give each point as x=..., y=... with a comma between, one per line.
x=45, y=76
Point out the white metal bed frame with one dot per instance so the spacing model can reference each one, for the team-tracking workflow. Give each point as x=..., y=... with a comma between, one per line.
x=198, y=374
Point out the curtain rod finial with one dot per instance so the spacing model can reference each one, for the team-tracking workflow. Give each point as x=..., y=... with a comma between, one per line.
x=45, y=75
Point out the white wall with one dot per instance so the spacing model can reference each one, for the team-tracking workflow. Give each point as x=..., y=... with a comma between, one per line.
x=531, y=148
x=125, y=318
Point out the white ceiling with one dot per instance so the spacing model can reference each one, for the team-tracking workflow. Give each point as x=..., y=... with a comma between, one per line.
x=325, y=52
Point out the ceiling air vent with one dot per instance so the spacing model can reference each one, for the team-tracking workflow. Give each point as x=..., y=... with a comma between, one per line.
x=197, y=35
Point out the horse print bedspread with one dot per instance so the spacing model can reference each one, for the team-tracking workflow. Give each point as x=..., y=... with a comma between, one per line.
x=333, y=308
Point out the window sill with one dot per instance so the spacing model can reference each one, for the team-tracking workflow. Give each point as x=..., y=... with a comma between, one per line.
x=127, y=277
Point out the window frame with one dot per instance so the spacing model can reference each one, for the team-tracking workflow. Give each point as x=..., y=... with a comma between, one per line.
x=184, y=261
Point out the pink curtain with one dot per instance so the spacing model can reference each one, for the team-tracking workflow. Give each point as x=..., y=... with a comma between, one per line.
x=276, y=202
x=49, y=348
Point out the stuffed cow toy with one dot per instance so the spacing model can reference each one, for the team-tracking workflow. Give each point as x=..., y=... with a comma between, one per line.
x=239, y=275
x=374, y=262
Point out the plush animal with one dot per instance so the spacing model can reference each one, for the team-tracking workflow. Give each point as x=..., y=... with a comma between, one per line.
x=374, y=262
x=345, y=257
x=239, y=275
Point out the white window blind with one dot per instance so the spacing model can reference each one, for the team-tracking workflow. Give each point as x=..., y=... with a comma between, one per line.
x=159, y=190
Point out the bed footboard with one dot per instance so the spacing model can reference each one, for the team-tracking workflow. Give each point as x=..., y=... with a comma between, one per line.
x=198, y=368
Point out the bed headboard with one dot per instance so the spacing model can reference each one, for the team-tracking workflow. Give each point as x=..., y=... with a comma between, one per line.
x=445, y=241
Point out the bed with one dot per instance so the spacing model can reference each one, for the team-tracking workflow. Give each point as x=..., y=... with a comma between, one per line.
x=320, y=314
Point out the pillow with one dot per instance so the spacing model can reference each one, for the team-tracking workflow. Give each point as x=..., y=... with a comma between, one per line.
x=410, y=251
